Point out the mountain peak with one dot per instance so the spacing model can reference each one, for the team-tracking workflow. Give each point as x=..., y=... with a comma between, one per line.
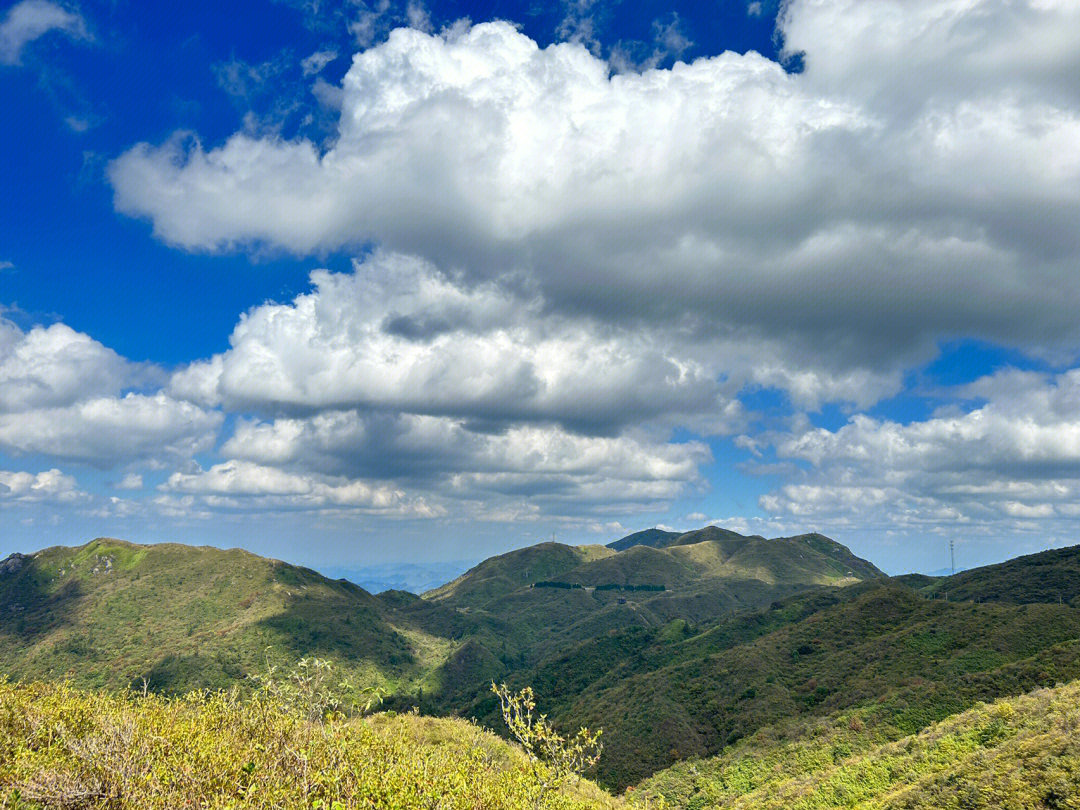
x=656, y=538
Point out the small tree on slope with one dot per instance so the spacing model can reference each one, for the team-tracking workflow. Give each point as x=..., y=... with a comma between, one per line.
x=555, y=758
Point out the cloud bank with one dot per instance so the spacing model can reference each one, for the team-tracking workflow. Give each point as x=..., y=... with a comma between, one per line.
x=1010, y=459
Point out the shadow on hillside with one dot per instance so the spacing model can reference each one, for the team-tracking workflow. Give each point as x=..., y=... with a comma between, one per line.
x=341, y=627
x=179, y=674
x=346, y=626
x=30, y=607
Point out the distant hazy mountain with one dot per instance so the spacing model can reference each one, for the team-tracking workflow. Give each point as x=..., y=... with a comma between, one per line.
x=412, y=577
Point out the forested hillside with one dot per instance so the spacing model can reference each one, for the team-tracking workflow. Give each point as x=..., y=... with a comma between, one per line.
x=694, y=690
x=1019, y=752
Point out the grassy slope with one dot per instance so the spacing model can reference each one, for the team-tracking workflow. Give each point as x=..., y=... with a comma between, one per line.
x=61, y=747
x=498, y=576
x=110, y=613
x=1020, y=752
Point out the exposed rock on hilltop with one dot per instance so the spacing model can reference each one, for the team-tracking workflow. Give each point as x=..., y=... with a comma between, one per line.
x=11, y=564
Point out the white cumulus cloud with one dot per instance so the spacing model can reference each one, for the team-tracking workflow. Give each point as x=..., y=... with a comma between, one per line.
x=920, y=185
x=231, y=483
x=30, y=19
x=1013, y=459
x=48, y=486
x=398, y=335
x=106, y=430
x=65, y=395
x=55, y=365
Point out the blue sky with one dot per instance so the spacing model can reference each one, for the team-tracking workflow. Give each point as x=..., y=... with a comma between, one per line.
x=352, y=283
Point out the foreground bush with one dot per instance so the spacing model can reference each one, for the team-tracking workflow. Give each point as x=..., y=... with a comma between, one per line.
x=65, y=748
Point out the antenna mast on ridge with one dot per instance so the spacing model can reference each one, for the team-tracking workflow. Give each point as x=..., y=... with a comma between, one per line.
x=952, y=555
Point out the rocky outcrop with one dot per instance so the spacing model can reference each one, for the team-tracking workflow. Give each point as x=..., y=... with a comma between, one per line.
x=12, y=564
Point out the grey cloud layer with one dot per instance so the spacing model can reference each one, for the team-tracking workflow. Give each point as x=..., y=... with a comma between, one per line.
x=344, y=459
x=398, y=335
x=243, y=485
x=438, y=453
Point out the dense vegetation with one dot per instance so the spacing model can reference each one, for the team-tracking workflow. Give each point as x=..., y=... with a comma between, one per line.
x=1021, y=752
x=62, y=747
x=1050, y=576
x=664, y=694
x=698, y=577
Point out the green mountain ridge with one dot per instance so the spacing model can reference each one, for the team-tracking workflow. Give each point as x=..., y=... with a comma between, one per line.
x=111, y=613
x=699, y=576
x=656, y=538
x=96, y=613
x=754, y=646
x=885, y=645
x=506, y=573
x=747, y=552
x=1049, y=576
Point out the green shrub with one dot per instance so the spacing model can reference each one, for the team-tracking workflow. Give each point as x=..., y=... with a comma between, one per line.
x=556, y=759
